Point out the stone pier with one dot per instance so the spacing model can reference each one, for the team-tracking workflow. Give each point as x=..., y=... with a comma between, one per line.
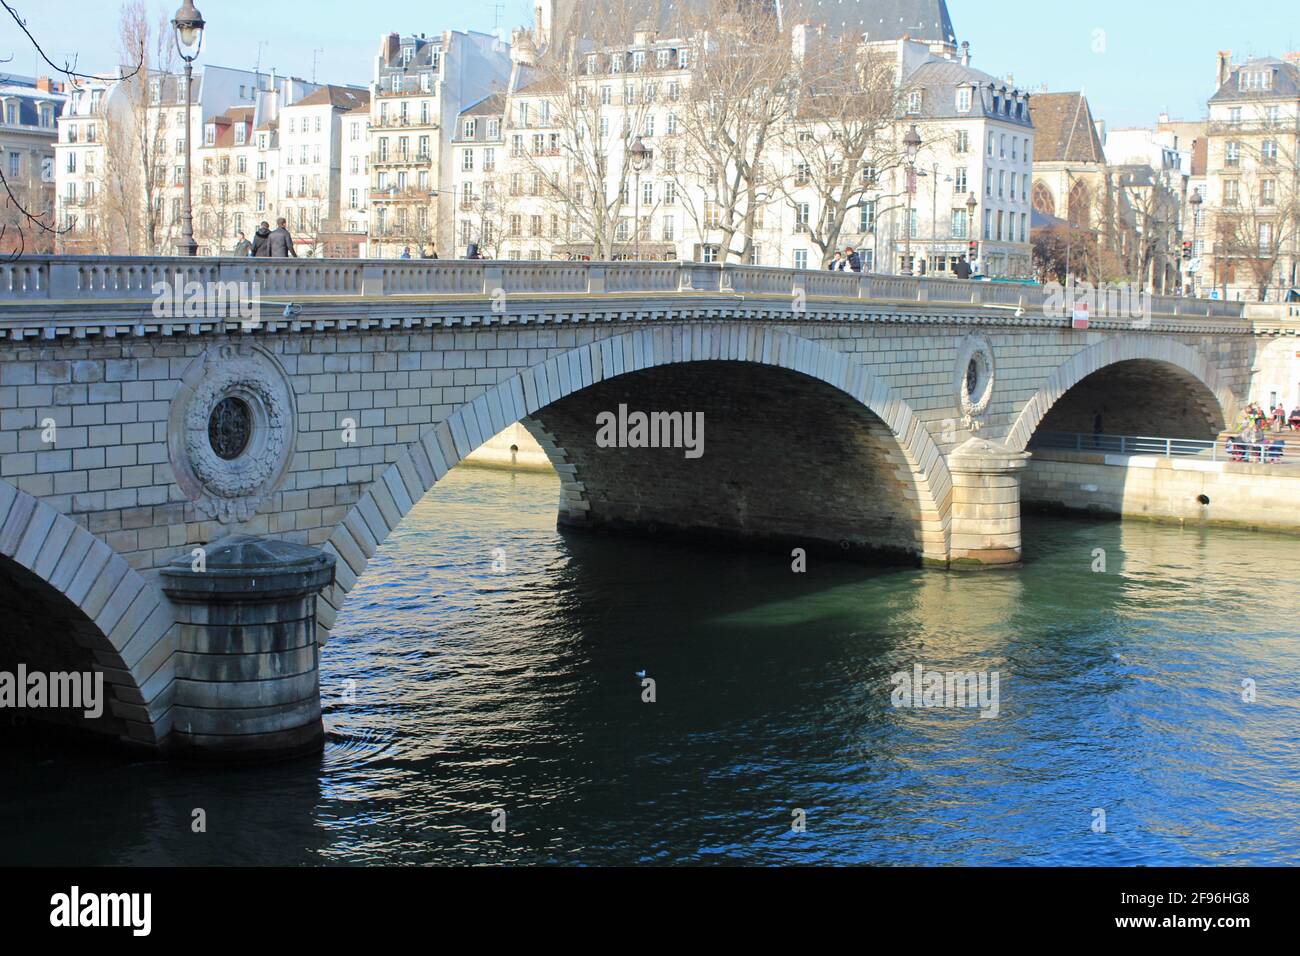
x=986, y=504
x=248, y=662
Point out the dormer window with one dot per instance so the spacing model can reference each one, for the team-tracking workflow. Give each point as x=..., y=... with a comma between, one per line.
x=241, y=134
x=471, y=127
x=964, y=96
x=661, y=59
x=914, y=102
x=997, y=103
x=210, y=135
x=593, y=63
x=407, y=53
x=683, y=59
x=616, y=63
x=638, y=61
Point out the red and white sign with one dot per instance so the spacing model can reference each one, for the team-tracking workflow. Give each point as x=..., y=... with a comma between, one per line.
x=1081, y=316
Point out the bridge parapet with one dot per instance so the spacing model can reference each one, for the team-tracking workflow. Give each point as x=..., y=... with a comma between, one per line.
x=61, y=280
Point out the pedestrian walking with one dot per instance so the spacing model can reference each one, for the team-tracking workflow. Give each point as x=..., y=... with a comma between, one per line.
x=243, y=248
x=262, y=240
x=281, y=242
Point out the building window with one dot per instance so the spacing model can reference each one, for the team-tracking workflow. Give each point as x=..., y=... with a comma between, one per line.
x=1232, y=154
x=467, y=161
x=962, y=144
x=1269, y=152
x=959, y=223
x=471, y=127
x=959, y=181
x=914, y=102
x=801, y=258
x=964, y=99
x=1268, y=192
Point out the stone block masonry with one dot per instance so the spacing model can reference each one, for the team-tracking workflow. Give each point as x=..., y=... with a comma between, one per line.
x=859, y=420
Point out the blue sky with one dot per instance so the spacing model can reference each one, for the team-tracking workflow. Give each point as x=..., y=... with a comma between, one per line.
x=1134, y=58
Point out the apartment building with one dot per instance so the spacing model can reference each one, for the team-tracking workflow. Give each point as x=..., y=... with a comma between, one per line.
x=1253, y=179
x=421, y=85
x=311, y=167
x=354, y=185
x=30, y=111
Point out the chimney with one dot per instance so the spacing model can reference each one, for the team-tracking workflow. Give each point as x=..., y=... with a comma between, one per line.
x=965, y=53
x=1225, y=68
x=45, y=86
x=390, y=47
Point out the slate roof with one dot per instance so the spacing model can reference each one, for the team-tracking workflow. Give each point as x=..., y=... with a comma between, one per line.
x=1064, y=131
x=939, y=79
x=880, y=19
x=344, y=98
x=1286, y=81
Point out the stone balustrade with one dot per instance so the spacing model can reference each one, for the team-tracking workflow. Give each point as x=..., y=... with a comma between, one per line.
x=61, y=280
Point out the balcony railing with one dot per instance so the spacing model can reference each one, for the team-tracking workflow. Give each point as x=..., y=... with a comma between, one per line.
x=400, y=159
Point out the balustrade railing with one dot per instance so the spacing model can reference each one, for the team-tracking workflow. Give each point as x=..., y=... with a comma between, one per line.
x=107, y=278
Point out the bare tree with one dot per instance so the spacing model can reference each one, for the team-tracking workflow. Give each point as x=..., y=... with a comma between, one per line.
x=142, y=144
x=742, y=88
x=576, y=125
x=843, y=140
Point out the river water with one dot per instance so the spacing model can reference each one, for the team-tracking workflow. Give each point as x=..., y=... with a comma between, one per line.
x=485, y=669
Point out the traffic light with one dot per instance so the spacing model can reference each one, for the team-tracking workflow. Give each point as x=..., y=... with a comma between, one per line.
x=974, y=250
x=1187, y=250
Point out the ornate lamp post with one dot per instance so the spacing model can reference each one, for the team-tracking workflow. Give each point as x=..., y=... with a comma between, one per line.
x=912, y=145
x=640, y=154
x=1195, y=202
x=188, y=26
x=972, y=206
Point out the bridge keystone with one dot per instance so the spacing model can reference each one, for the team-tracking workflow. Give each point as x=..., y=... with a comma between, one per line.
x=247, y=661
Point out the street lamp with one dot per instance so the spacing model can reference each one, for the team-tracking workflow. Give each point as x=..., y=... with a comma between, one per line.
x=188, y=25
x=640, y=154
x=972, y=205
x=912, y=145
x=1195, y=202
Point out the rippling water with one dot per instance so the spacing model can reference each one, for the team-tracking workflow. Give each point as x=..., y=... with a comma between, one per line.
x=487, y=662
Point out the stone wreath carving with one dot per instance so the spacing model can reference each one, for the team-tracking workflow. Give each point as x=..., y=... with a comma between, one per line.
x=231, y=431
x=976, y=374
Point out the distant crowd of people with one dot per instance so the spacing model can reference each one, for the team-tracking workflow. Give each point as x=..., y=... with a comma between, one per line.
x=1255, y=443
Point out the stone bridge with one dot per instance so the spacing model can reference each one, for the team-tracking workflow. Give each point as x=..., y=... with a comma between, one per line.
x=190, y=486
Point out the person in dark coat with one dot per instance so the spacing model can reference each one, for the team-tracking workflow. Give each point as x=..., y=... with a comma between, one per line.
x=243, y=248
x=852, y=260
x=262, y=240
x=281, y=242
x=472, y=252
x=962, y=269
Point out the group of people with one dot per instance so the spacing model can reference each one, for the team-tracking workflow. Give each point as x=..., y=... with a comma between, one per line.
x=847, y=261
x=432, y=253
x=1254, y=443
x=267, y=242
x=1263, y=420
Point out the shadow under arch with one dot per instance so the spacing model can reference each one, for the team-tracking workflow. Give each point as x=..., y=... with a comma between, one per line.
x=72, y=603
x=1186, y=361
x=421, y=464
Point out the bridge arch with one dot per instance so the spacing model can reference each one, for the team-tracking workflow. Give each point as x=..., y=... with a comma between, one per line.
x=420, y=465
x=1175, y=361
x=72, y=603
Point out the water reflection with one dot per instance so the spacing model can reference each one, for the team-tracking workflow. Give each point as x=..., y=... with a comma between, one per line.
x=487, y=663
